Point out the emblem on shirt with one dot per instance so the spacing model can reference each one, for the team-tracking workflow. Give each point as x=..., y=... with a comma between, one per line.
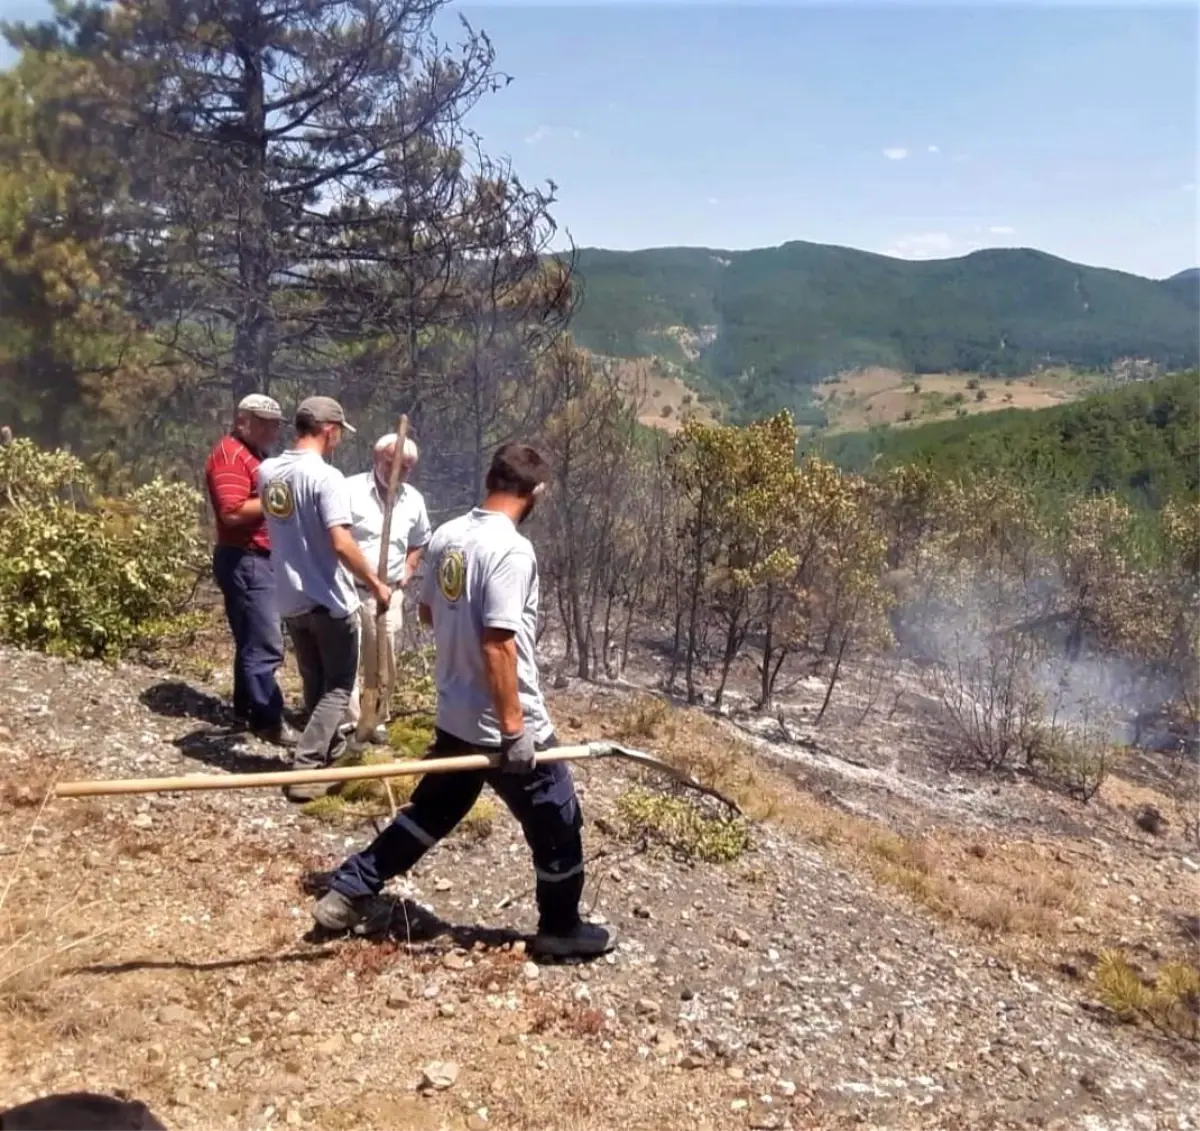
x=451, y=575
x=278, y=500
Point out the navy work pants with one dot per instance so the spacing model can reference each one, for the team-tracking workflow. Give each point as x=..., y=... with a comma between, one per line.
x=247, y=581
x=543, y=801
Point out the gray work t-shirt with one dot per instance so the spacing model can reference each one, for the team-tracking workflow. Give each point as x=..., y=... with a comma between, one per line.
x=481, y=573
x=303, y=497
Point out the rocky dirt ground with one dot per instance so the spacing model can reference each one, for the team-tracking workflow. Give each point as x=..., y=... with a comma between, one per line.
x=892, y=950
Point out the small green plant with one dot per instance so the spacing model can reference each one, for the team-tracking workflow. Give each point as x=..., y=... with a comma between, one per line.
x=981, y=394
x=336, y=810
x=973, y=383
x=682, y=826
x=410, y=735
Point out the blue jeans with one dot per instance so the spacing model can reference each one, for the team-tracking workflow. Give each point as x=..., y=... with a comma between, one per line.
x=247, y=581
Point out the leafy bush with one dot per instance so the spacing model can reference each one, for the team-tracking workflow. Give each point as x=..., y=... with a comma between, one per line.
x=682, y=826
x=82, y=575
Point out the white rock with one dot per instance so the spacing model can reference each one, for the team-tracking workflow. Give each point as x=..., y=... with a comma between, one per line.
x=439, y=1075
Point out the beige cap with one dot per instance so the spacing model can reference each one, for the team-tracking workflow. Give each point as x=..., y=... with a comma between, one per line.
x=256, y=404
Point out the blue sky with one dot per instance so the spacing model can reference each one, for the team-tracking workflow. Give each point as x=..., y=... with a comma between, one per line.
x=912, y=130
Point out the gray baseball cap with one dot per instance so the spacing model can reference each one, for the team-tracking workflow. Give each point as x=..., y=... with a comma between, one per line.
x=322, y=410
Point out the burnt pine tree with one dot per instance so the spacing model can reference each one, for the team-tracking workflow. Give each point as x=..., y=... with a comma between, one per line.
x=302, y=195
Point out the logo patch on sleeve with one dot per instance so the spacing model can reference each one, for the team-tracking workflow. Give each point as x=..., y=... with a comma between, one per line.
x=278, y=500
x=452, y=574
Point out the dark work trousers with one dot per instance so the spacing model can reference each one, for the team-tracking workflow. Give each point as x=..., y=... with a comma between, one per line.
x=543, y=801
x=247, y=581
x=81, y=1111
x=327, y=656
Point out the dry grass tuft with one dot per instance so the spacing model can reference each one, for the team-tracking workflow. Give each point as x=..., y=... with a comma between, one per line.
x=480, y=822
x=38, y=942
x=693, y=742
x=1014, y=892
x=1169, y=1004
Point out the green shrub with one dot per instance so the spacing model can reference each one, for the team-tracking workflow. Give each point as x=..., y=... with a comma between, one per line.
x=82, y=575
x=678, y=824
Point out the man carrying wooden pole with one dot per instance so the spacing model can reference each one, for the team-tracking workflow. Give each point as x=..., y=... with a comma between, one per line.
x=391, y=526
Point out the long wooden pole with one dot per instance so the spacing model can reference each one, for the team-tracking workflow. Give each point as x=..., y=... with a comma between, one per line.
x=400, y=768
x=374, y=700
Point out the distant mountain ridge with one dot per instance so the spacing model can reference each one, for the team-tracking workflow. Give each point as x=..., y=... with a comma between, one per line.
x=760, y=328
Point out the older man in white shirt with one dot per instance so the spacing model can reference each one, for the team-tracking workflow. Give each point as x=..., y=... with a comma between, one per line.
x=407, y=540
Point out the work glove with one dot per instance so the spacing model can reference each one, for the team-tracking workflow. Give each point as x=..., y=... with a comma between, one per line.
x=517, y=753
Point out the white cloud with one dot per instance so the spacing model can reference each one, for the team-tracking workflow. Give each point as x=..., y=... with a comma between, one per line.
x=895, y=153
x=922, y=245
x=713, y=200
x=934, y=148
x=1189, y=187
x=1001, y=230
x=545, y=133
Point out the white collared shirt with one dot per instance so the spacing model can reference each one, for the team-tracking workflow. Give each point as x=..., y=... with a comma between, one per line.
x=410, y=522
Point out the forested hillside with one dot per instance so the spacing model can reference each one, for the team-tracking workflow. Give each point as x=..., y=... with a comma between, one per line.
x=1141, y=442
x=759, y=328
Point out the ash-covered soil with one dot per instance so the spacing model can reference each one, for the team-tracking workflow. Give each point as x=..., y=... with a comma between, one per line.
x=159, y=945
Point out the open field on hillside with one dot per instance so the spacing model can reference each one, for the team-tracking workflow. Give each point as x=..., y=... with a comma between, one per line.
x=663, y=399
x=865, y=398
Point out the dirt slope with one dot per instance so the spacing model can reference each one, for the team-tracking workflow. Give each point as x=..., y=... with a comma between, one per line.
x=783, y=990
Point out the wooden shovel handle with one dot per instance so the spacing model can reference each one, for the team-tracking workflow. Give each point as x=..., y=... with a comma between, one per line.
x=458, y=764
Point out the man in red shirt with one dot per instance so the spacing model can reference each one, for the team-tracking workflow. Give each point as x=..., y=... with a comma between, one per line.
x=242, y=567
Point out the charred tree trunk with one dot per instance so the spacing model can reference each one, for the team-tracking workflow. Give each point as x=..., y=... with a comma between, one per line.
x=254, y=335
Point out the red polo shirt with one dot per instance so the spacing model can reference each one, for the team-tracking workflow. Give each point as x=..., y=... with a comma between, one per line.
x=230, y=475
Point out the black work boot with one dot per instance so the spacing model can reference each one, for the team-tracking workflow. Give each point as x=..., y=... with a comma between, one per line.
x=361, y=915
x=584, y=940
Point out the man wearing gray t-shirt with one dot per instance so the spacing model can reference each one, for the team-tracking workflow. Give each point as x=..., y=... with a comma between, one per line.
x=316, y=559
x=481, y=597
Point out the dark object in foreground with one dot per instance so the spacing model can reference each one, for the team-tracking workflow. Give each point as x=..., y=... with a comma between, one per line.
x=80, y=1111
